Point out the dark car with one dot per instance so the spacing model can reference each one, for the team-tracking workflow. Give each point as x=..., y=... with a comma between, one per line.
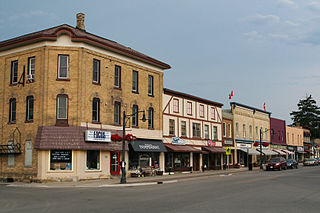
x=277, y=163
x=292, y=163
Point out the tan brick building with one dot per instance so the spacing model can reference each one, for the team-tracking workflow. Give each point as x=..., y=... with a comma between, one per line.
x=62, y=83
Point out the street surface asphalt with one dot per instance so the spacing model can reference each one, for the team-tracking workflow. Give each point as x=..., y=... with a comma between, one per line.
x=291, y=191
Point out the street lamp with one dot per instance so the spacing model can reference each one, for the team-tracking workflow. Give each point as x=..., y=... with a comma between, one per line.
x=261, y=132
x=124, y=121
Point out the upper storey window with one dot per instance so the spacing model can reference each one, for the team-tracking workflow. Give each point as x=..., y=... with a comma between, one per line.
x=135, y=81
x=201, y=110
x=117, y=76
x=14, y=72
x=12, y=110
x=63, y=66
x=189, y=108
x=175, y=105
x=31, y=68
x=96, y=71
x=62, y=109
x=150, y=85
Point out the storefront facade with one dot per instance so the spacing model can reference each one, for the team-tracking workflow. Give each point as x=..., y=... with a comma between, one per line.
x=294, y=140
x=73, y=79
x=247, y=124
x=192, y=132
x=228, y=140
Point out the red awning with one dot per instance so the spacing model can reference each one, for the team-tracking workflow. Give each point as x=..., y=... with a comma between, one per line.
x=215, y=149
x=181, y=148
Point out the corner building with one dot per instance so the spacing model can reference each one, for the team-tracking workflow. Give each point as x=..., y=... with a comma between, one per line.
x=63, y=93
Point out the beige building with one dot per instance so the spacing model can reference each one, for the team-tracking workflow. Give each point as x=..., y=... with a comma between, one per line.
x=247, y=124
x=192, y=132
x=295, y=138
x=63, y=93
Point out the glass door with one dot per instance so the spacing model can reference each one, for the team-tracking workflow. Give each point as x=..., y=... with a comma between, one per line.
x=115, y=163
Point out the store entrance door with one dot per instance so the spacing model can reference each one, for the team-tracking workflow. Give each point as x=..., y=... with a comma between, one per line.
x=115, y=163
x=196, y=161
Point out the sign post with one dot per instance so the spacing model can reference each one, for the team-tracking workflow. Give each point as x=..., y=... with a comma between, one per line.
x=228, y=152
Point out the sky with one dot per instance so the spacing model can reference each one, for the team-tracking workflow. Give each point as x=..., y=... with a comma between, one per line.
x=266, y=51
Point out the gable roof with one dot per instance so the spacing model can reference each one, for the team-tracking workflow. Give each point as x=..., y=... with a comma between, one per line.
x=78, y=35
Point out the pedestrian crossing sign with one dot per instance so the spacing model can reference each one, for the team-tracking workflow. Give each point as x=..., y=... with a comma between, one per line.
x=228, y=151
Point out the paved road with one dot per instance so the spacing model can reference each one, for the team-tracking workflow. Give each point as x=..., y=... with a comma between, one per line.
x=284, y=191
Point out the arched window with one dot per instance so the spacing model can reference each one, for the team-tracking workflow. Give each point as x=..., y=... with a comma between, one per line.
x=150, y=117
x=62, y=109
x=96, y=110
x=135, y=116
x=12, y=110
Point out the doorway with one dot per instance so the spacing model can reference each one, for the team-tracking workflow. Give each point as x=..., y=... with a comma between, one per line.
x=115, y=163
x=196, y=161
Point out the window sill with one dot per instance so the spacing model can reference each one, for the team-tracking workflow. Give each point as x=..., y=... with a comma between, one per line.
x=29, y=82
x=62, y=125
x=136, y=127
x=96, y=122
x=12, y=122
x=28, y=121
x=151, y=95
x=93, y=170
x=136, y=92
x=96, y=83
x=63, y=79
x=117, y=125
x=60, y=171
x=13, y=84
x=150, y=128
x=117, y=88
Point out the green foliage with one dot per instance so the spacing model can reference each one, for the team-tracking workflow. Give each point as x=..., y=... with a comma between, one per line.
x=308, y=116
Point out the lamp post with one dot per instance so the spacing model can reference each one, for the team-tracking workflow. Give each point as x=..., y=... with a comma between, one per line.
x=123, y=179
x=261, y=167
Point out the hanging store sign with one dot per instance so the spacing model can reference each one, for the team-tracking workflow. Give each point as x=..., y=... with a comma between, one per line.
x=97, y=136
x=178, y=141
x=244, y=146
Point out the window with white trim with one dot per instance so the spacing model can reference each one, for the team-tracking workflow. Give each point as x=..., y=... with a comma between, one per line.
x=201, y=110
x=150, y=117
x=135, y=115
x=29, y=108
x=117, y=76
x=196, y=129
x=150, y=85
x=96, y=71
x=62, y=109
x=63, y=66
x=31, y=68
x=135, y=81
x=93, y=160
x=175, y=105
x=14, y=72
x=96, y=110
x=189, y=108
x=206, y=131
x=12, y=110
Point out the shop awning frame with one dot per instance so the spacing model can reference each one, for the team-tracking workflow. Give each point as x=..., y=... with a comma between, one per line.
x=250, y=151
x=279, y=152
x=268, y=152
x=214, y=149
x=287, y=151
x=181, y=148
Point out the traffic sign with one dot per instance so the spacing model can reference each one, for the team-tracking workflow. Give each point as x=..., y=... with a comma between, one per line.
x=228, y=151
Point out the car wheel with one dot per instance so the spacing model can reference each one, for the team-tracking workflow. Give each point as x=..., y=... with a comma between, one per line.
x=296, y=166
x=280, y=168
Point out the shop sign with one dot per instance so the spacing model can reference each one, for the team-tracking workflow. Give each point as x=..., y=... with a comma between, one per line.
x=228, y=142
x=243, y=146
x=60, y=155
x=290, y=148
x=97, y=136
x=211, y=143
x=300, y=149
x=178, y=141
x=149, y=147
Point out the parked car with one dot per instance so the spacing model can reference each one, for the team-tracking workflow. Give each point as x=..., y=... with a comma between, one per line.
x=318, y=161
x=310, y=162
x=278, y=163
x=292, y=163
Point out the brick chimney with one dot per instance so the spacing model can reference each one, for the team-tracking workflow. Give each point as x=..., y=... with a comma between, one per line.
x=80, y=21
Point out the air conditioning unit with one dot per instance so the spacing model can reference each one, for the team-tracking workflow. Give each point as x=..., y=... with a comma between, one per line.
x=30, y=77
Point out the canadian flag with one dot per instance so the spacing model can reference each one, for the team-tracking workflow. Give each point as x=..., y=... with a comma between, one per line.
x=231, y=94
x=264, y=106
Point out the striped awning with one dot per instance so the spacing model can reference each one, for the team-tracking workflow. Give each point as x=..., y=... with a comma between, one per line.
x=279, y=151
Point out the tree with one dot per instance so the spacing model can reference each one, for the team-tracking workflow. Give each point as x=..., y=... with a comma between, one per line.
x=308, y=116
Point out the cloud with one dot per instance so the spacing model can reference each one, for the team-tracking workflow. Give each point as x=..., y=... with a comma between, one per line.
x=32, y=14
x=260, y=19
x=291, y=24
x=314, y=5
x=279, y=36
x=287, y=3
x=312, y=37
x=251, y=34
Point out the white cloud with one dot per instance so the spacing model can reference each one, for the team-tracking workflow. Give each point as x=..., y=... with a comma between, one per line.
x=314, y=5
x=291, y=24
x=287, y=3
x=279, y=36
x=31, y=14
x=251, y=34
x=265, y=19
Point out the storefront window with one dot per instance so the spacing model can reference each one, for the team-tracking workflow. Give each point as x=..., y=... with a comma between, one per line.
x=60, y=160
x=93, y=159
x=143, y=160
x=177, y=161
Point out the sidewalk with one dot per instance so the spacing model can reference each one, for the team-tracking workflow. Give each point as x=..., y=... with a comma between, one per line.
x=114, y=181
